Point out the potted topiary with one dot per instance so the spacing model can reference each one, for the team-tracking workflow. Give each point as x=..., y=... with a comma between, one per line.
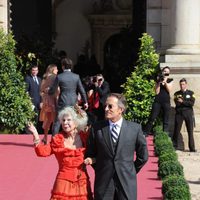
x=139, y=86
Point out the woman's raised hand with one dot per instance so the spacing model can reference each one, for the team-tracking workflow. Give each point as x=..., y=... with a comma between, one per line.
x=33, y=130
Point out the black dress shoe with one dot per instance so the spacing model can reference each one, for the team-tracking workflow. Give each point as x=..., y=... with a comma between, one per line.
x=193, y=150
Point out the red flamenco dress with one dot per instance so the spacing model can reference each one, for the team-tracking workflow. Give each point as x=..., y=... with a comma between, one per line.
x=72, y=181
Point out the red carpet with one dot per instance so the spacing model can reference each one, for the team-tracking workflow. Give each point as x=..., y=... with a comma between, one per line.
x=24, y=176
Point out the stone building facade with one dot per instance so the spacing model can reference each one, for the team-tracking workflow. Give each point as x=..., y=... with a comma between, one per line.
x=174, y=25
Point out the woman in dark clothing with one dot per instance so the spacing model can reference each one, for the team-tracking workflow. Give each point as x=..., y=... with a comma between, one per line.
x=162, y=101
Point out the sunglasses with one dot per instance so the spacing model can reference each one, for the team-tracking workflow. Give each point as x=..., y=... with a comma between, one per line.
x=100, y=79
x=109, y=106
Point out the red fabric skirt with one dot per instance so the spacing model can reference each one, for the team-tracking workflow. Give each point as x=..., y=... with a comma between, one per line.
x=67, y=190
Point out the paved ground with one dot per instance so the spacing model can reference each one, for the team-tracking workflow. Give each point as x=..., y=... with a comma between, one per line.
x=191, y=164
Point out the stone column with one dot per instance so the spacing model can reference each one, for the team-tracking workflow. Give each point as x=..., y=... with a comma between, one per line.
x=185, y=27
x=4, y=15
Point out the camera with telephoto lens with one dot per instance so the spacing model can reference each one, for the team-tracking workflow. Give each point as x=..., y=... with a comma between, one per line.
x=162, y=76
x=94, y=80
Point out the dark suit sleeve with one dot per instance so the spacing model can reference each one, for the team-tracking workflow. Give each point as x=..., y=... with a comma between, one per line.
x=104, y=89
x=81, y=90
x=91, y=147
x=141, y=151
x=54, y=87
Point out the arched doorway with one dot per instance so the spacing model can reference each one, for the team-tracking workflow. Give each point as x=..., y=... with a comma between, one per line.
x=119, y=56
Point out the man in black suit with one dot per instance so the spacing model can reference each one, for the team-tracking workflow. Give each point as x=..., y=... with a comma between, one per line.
x=33, y=83
x=184, y=100
x=110, y=150
x=70, y=85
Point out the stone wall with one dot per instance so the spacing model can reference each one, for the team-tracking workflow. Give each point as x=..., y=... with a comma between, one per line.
x=4, y=15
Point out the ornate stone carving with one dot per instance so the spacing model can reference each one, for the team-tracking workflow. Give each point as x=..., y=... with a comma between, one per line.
x=122, y=4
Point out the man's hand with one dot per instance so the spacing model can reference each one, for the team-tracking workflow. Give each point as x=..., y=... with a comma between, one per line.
x=180, y=100
x=85, y=106
x=89, y=161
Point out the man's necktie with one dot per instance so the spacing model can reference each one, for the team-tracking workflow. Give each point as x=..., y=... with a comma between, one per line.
x=114, y=133
x=35, y=80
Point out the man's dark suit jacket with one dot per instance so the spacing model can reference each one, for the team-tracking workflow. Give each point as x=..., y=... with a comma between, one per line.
x=34, y=90
x=70, y=85
x=103, y=92
x=122, y=163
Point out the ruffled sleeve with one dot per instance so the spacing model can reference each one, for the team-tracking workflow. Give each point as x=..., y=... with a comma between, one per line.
x=43, y=150
x=55, y=145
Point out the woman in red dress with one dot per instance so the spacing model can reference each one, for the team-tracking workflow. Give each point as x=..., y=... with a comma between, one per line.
x=68, y=146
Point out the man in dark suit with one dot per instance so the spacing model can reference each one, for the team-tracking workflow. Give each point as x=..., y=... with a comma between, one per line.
x=184, y=100
x=33, y=83
x=110, y=150
x=70, y=85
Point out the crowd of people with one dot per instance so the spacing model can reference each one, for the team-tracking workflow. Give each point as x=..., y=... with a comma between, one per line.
x=88, y=128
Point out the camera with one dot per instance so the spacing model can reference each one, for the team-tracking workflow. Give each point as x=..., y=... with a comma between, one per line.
x=94, y=80
x=162, y=76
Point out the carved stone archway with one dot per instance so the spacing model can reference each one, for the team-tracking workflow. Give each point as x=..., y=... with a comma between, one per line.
x=103, y=27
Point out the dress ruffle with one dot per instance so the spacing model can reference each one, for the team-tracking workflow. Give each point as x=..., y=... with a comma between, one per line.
x=70, y=190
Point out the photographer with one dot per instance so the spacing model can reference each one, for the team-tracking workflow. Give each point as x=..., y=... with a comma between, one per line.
x=161, y=101
x=98, y=95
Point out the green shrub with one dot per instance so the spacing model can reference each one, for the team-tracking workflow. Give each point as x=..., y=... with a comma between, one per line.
x=139, y=87
x=163, y=144
x=158, y=129
x=170, y=168
x=173, y=181
x=15, y=103
x=161, y=136
x=34, y=49
x=160, y=141
x=178, y=193
x=167, y=156
x=165, y=148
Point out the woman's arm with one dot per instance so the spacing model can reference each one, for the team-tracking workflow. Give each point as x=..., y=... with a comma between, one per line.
x=33, y=130
x=157, y=88
x=168, y=86
x=40, y=149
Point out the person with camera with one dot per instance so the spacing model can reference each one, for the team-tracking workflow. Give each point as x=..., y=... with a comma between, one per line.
x=161, y=101
x=100, y=91
x=184, y=100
